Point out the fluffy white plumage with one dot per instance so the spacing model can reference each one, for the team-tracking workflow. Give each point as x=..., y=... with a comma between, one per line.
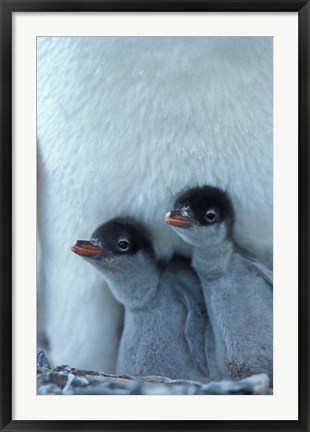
x=123, y=125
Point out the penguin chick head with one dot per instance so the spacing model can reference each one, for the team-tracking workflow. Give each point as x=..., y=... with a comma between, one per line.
x=121, y=249
x=202, y=215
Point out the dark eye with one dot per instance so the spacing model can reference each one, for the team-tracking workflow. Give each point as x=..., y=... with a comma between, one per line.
x=211, y=215
x=123, y=245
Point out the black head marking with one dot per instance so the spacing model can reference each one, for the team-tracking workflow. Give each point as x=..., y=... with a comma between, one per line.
x=207, y=205
x=124, y=235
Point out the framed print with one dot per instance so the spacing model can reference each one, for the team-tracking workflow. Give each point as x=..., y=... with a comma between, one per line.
x=154, y=160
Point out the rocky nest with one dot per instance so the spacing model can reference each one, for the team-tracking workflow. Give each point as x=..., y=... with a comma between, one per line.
x=66, y=380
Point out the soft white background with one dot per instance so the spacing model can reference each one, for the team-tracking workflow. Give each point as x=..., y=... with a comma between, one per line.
x=283, y=404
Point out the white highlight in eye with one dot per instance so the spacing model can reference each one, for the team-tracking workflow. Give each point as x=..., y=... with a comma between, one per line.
x=126, y=241
x=211, y=215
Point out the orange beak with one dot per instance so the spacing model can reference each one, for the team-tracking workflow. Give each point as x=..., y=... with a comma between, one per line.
x=86, y=248
x=176, y=219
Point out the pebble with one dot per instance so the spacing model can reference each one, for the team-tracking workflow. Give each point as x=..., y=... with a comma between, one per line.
x=42, y=361
x=49, y=389
x=79, y=382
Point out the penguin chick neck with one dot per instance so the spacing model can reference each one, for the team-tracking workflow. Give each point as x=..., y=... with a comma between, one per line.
x=135, y=282
x=212, y=255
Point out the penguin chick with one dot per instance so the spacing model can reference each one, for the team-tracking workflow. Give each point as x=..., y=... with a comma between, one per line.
x=237, y=290
x=165, y=317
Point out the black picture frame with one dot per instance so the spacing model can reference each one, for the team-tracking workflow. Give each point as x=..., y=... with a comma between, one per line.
x=8, y=7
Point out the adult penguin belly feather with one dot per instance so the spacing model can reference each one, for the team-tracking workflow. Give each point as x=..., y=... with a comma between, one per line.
x=124, y=124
